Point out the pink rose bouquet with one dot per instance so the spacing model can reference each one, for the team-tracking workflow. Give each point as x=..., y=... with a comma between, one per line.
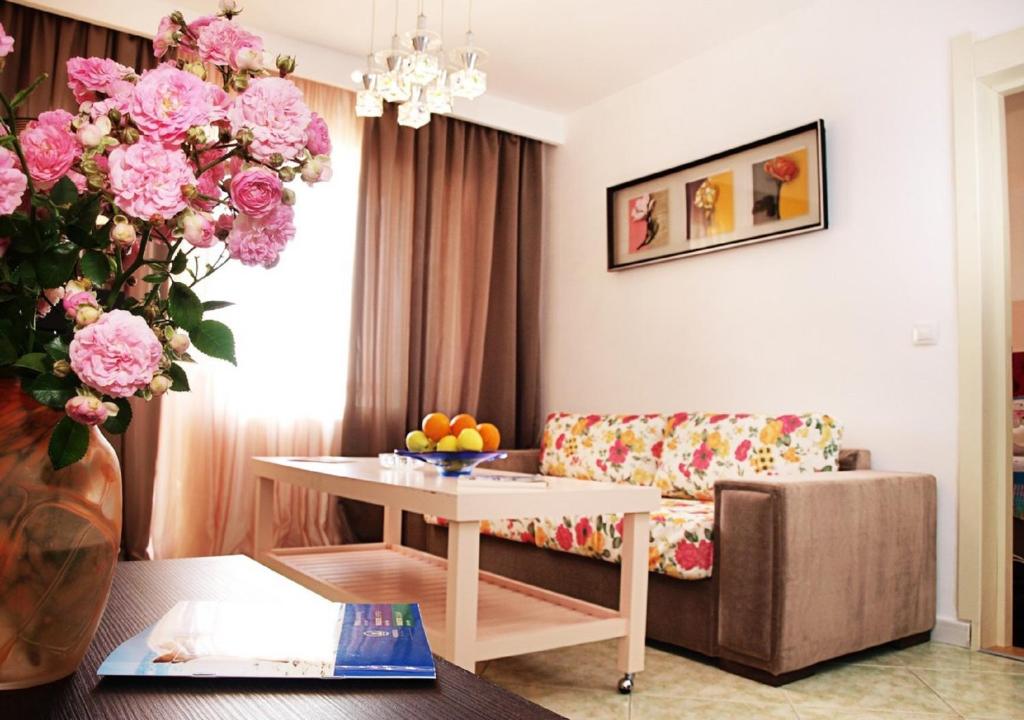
x=155, y=183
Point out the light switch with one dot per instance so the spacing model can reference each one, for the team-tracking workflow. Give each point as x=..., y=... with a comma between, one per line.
x=926, y=334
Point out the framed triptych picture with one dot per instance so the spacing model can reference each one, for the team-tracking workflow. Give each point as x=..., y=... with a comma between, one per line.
x=763, y=190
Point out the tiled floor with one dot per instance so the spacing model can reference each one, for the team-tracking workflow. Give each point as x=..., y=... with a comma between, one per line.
x=926, y=682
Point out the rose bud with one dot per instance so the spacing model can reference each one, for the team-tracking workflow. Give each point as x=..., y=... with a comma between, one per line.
x=244, y=136
x=151, y=312
x=90, y=135
x=287, y=174
x=198, y=228
x=179, y=343
x=285, y=64
x=196, y=135
x=61, y=368
x=287, y=197
x=87, y=410
x=95, y=182
x=130, y=136
x=196, y=68
x=115, y=116
x=229, y=7
x=316, y=170
x=86, y=315
x=224, y=225
x=248, y=59
x=160, y=384
x=177, y=18
x=79, y=299
x=123, y=233
x=77, y=285
x=240, y=83
x=275, y=159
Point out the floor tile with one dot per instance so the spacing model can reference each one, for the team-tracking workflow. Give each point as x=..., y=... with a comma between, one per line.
x=978, y=694
x=664, y=707
x=939, y=656
x=589, y=666
x=805, y=713
x=671, y=675
x=575, y=704
x=863, y=687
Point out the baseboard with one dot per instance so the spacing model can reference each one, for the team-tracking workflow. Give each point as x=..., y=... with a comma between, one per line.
x=952, y=632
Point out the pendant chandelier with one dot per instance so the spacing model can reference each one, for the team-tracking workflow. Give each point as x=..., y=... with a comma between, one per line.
x=416, y=73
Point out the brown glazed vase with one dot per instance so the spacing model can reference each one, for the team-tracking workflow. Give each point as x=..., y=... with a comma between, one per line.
x=60, y=531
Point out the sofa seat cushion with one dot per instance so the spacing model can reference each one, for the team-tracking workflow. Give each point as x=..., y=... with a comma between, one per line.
x=701, y=448
x=608, y=448
x=681, y=536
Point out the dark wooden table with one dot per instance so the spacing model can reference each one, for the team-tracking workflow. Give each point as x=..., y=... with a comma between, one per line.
x=143, y=591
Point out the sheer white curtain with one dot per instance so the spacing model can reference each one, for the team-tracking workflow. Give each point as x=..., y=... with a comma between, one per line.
x=286, y=396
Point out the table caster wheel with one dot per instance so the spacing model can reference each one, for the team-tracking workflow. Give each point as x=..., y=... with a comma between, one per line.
x=626, y=684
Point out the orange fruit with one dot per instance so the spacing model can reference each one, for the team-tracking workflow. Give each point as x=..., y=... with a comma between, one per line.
x=462, y=421
x=491, y=436
x=435, y=426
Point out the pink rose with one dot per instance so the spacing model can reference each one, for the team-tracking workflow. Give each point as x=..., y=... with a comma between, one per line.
x=50, y=297
x=164, y=39
x=86, y=409
x=79, y=180
x=167, y=102
x=259, y=241
x=198, y=229
x=223, y=225
x=12, y=183
x=92, y=75
x=6, y=42
x=50, y=148
x=273, y=109
x=256, y=191
x=221, y=40
x=318, y=139
x=220, y=103
x=146, y=179
x=689, y=556
x=790, y=423
x=73, y=300
x=117, y=355
x=119, y=98
x=617, y=452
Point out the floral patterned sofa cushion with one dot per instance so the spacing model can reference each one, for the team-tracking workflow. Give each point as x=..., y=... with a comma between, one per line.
x=609, y=448
x=681, y=536
x=700, y=448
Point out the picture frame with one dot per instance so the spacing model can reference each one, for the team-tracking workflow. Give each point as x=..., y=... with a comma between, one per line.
x=771, y=188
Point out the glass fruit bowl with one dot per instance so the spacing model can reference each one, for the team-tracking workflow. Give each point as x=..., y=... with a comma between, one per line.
x=454, y=464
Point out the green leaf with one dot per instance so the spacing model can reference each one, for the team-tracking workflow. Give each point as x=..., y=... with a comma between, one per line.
x=32, y=361
x=55, y=266
x=8, y=353
x=179, y=263
x=179, y=378
x=215, y=339
x=96, y=266
x=81, y=238
x=68, y=443
x=57, y=348
x=85, y=212
x=216, y=304
x=52, y=391
x=20, y=97
x=117, y=424
x=184, y=306
x=155, y=278
x=64, y=192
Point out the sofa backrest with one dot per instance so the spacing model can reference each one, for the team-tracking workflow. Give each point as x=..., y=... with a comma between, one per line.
x=609, y=448
x=685, y=453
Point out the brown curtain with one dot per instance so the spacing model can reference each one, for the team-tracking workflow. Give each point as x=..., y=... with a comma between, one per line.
x=446, y=285
x=44, y=42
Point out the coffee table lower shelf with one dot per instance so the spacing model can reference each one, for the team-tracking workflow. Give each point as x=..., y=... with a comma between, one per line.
x=512, y=617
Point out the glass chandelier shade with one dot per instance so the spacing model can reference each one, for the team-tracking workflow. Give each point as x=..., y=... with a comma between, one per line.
x=416, y=73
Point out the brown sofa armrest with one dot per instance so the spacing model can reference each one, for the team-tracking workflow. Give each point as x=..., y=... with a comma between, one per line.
x=524, y=461
x=814, y=567
x=854, y=459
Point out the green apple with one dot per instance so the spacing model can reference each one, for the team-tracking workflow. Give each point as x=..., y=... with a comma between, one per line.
x=447, y=444
x=417, y=441
x=470, y=440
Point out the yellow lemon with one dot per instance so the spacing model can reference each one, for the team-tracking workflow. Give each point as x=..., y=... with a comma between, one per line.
x=417, y=441
x=470, y=440
x=447, y=444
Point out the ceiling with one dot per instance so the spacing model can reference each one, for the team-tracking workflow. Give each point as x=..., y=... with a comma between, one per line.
x=558, y=55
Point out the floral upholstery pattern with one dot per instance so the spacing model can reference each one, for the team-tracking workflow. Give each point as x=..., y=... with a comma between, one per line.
x=700, y=448
x=608, y=448
x=681, y=536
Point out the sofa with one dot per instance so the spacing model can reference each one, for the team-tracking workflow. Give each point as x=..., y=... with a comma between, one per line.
x=775, y=548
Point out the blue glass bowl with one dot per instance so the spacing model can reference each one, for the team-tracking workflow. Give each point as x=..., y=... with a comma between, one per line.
x=454, y=464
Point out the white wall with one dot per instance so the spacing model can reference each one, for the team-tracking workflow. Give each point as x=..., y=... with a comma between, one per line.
x=820, y=321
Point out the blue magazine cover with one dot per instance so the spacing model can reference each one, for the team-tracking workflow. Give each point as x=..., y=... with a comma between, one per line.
x=313, y=639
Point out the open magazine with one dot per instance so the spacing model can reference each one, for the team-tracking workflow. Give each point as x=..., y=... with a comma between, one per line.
x=312, y=639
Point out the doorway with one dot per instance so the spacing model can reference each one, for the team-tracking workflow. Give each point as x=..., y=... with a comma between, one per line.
x=985, y=72
x=1013, y=106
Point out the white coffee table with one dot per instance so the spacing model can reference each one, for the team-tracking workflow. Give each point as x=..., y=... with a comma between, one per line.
x=470, y=615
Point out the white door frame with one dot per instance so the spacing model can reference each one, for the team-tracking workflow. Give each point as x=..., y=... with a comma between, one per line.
x=983, y=72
